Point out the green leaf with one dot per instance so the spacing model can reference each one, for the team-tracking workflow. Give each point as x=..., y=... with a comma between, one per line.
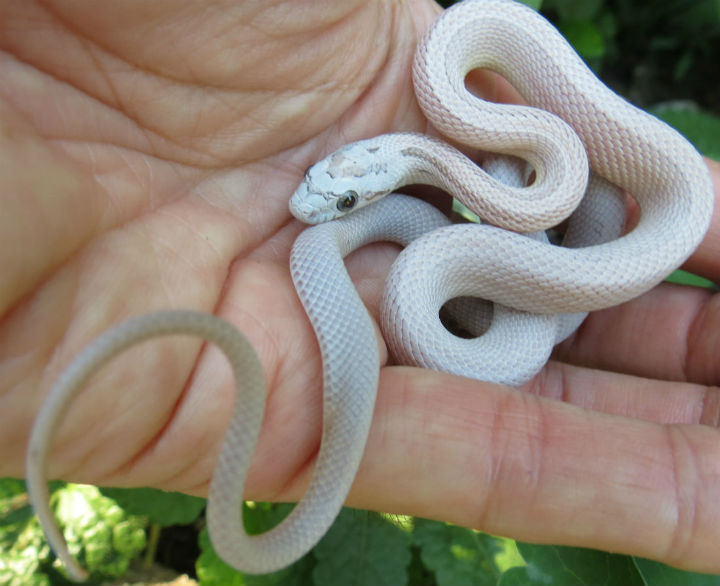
x=458, y=555
x=94, y=525
x=160, y=507
x=534, y=4
x=21, y=568
x=657, y=574
x=518, y=576
x=685, y=278
x=128, y=538
x=24, y=553
x=586, y=10
x=362, y=548
x=418, y=573
x=15, y=512
x=508, y=556
x=10, y=487
x=584, y=36
x=700, y=128
x=260, y=517
x=571, y=566
x=683, y=65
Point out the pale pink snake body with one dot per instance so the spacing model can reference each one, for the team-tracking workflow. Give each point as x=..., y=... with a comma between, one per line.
x=624, y=146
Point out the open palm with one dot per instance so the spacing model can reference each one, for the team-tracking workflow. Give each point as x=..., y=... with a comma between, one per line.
x=147, y=155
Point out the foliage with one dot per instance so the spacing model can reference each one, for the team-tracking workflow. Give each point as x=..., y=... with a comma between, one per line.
x=369, y=548
x=661, y=50
x=361, y=547
x=157, y=506
x=24, y=551
x=700, y=128
x=649, y=51
x=102, y=536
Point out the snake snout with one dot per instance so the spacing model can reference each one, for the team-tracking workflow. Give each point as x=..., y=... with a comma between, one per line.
x=309, y=206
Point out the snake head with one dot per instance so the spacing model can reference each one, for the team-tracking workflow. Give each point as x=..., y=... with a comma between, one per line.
x=348, y=179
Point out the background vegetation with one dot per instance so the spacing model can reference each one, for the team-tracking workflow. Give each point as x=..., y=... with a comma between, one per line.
x=660, y=54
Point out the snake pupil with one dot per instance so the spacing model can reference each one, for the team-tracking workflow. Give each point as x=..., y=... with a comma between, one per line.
x=347, y=201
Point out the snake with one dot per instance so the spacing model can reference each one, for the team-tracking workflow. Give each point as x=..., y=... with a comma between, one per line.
x=574, y=150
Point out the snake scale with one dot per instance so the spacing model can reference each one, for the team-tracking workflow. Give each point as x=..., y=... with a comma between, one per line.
x=571, y=152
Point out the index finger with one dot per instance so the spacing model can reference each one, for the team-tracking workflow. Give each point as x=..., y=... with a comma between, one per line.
x=535, y=469
x=706, y=259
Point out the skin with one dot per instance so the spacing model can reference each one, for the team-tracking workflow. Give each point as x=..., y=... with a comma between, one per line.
x=147, y=153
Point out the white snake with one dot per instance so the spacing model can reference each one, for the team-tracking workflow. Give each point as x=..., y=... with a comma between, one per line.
x=595, y=269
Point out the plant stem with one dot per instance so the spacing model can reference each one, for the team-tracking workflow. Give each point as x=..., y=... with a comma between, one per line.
x=151, y=549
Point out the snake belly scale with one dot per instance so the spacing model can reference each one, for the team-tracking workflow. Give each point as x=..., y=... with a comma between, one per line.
x=573, y=121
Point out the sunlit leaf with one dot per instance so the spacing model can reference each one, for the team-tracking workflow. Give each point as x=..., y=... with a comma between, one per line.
x=160, y=507
x=362, y=548
x=457, y=555
x=700, y=128
x=571, y=566
x=657, y=574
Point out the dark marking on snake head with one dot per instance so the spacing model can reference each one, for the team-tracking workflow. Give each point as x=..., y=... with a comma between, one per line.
x=379, y=168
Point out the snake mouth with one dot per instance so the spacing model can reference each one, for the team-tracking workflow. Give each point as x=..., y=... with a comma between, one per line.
x=304, y=213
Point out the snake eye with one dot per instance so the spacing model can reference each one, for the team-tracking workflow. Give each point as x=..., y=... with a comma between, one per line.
x=347, y=201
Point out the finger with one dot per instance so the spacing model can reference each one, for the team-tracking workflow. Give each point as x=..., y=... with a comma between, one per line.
x=706, y=259
x=523, y=466
x=629, y=396
x=670, y=333
x=491, y=86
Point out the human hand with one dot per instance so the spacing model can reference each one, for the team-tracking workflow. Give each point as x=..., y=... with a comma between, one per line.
x=148, y=159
